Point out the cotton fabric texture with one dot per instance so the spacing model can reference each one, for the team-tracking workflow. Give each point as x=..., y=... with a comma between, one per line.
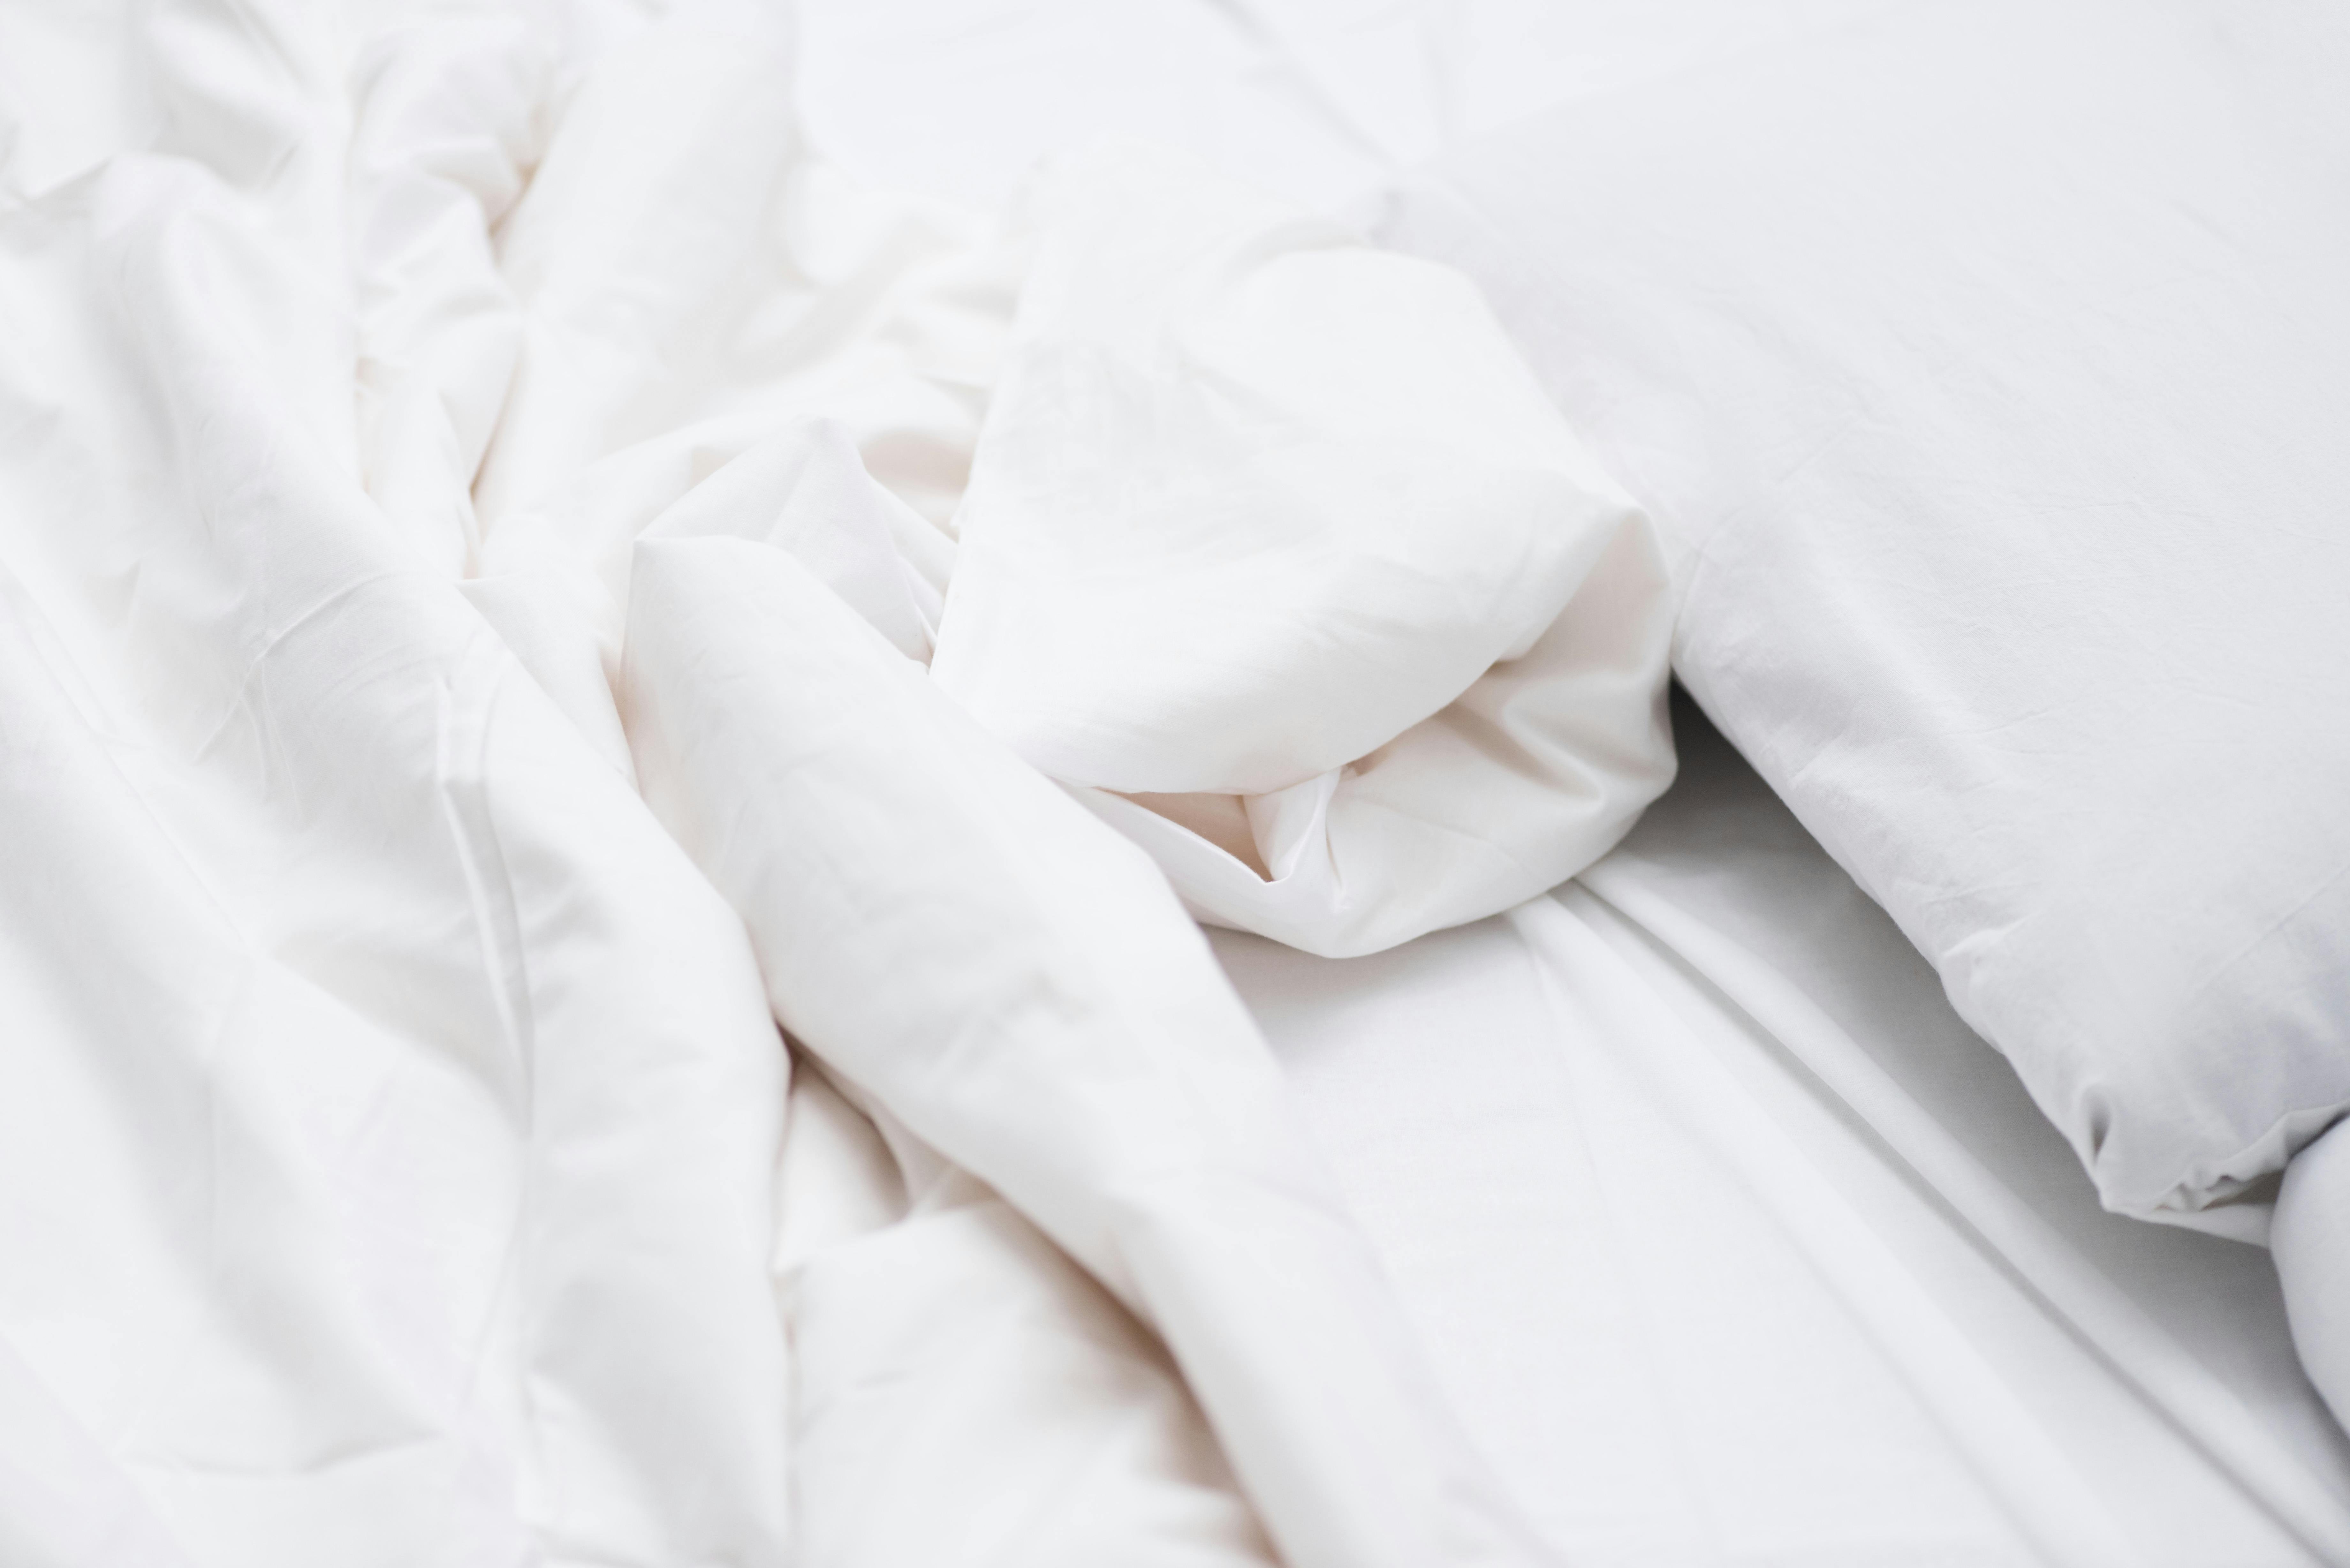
x=401, y=1158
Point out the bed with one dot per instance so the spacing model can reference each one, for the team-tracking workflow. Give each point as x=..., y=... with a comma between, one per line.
x=1725, y=1237
x=1946, y=1164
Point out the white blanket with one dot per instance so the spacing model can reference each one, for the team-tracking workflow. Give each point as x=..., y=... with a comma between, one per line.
x=400, y=1162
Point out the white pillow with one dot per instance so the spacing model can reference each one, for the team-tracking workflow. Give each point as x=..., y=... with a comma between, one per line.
x=1987, y=370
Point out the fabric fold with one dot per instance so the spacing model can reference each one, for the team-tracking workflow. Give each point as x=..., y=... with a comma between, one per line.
x=1257, y=506
x=953, y=935
x=390, y=1106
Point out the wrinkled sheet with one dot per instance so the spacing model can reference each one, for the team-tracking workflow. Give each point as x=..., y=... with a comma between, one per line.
x=477, y=502
x=1734, y=1243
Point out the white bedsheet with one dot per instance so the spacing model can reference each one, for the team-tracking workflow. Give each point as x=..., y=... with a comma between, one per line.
x=1737, y=1245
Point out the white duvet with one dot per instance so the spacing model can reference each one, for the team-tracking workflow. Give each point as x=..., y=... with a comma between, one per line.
x=399, y=1158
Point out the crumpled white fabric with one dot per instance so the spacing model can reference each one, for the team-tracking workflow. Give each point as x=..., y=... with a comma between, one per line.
x=398, y=1159
x=1020, y=990
x=1268, y=518
x=389, y=1105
